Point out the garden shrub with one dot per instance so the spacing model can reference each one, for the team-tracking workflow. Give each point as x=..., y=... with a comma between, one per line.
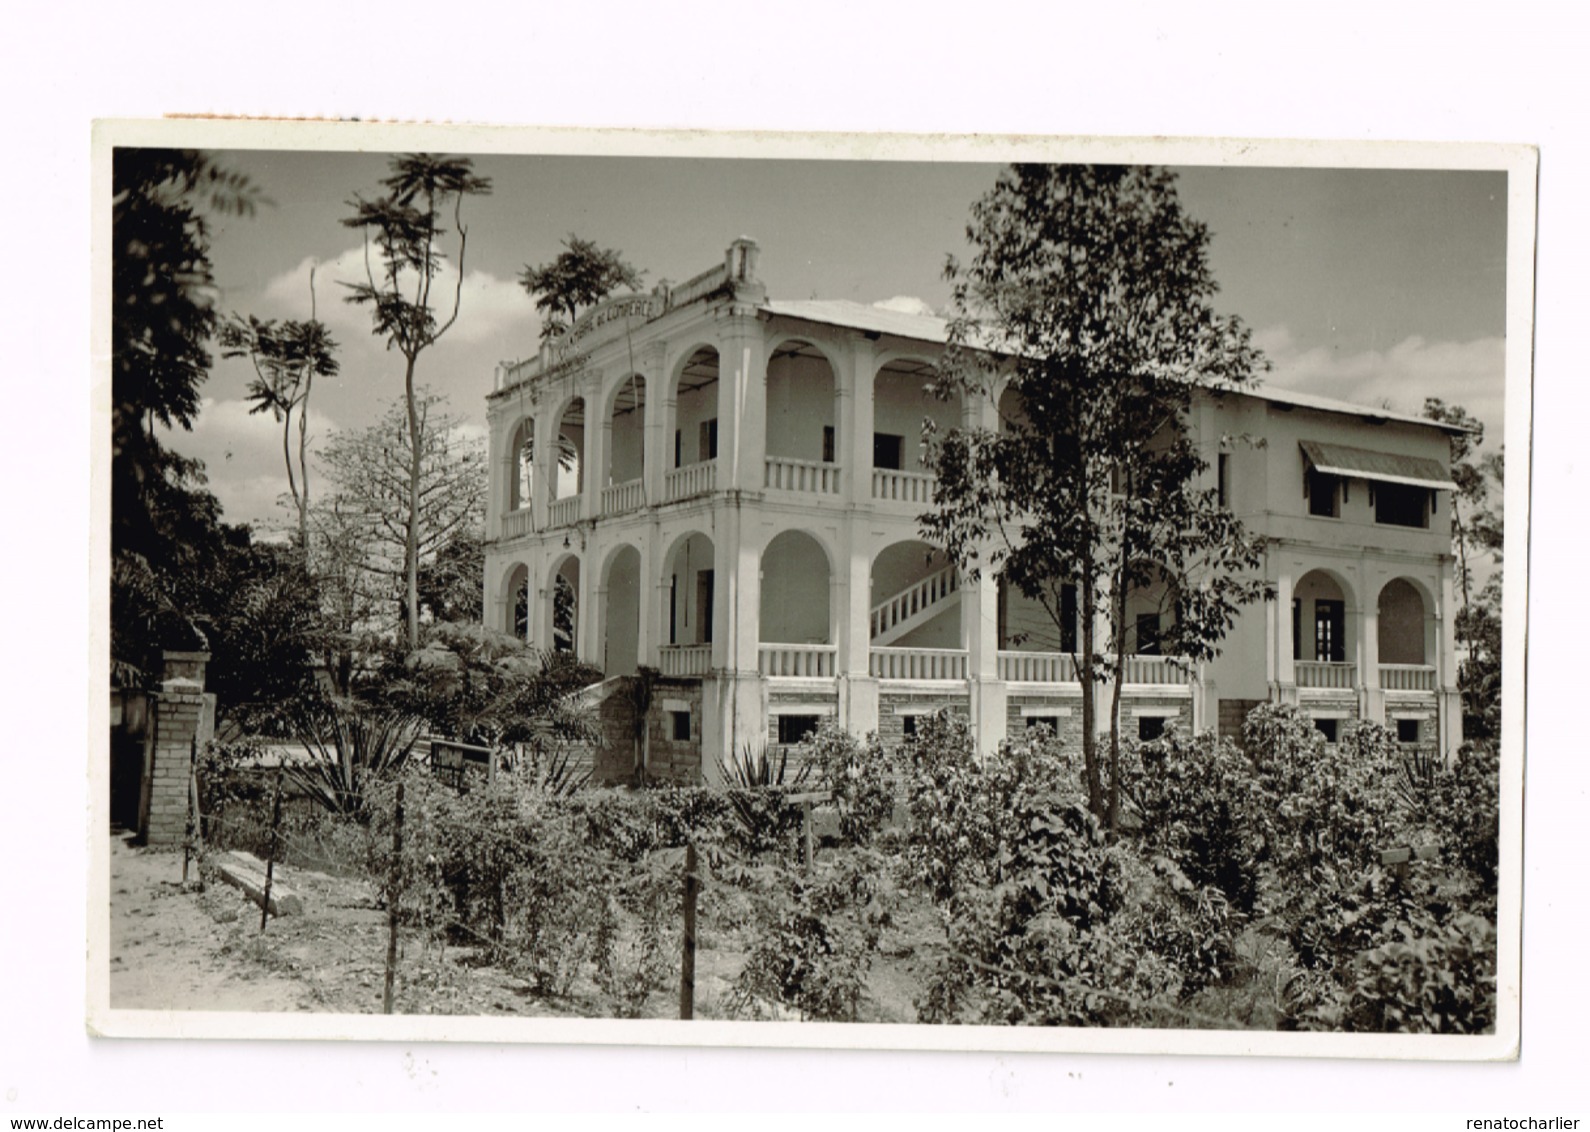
x=1434, y=983
x=858, y=774
x=1196, y=799
x=814, y=938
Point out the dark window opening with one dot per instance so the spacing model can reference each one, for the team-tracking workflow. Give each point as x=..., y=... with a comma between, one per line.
x=673, y=610
x=1297, y=628
x=1330, y=621
x=704, y=606
x=908, y=725
x=1223, y=479
x=1052, y=722
x=1068, y=617
x=887, y=451
x=1150, y=727
x=1401, y=505
x=1321, y=492
x=828, y=444
x=793, y=729
x=1407, y=730
x=1327, y=727
x=681, y=726
x=678, y=449
x=707, y=445
x=1147, y=634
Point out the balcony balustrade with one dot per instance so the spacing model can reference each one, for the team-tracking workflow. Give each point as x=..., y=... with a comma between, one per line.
x=1407, y=678
x=1325, y=673
x=903, y=487
x=564, y=512
x=692, y=479
x=810, y=476
x=797, y=660
x=1037, y=668
x=516, y=523
x=684, y=660
x=919, y=664
x=620, y=497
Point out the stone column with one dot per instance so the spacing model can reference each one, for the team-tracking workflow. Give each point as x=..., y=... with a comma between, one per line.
x=742, y=401
x=858, y=689
x=655, y=450
x=980, y=632
x=855, y=424
x=1371, y=700
x=1282, y=669
x=593, y=458
x=177, y=721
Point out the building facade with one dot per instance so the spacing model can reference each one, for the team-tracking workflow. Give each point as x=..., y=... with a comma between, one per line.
x=725, y=488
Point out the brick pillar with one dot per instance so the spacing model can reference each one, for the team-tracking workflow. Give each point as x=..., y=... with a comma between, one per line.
x=179, y=712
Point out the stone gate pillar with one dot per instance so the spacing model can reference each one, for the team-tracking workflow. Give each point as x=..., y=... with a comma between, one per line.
x=181, y=716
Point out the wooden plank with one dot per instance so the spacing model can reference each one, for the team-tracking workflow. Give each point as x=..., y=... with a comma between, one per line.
x=247, y=872
x=810, y=797
x=1408, y=853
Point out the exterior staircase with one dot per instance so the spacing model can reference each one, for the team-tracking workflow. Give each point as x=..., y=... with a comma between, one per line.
x=915, y=605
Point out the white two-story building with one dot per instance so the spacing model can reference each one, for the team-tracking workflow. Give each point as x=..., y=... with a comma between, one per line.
x=725, y=487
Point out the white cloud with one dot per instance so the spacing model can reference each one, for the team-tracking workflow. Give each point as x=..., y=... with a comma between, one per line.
x=1469, y=374
x=906, y=304
x=242, y=454
x=491, y=309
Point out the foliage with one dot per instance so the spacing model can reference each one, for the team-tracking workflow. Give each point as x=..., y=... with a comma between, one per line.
x=961, y=806
x=634, y=964
x=287, y=357
x=859, y=777
x=1442, y=983
x=480, y=686
x=405, y=226
x=449, y=584
x=581, y=276
x=164, y=527
x=815, y=938
x=1088, y=300
x=372, y=530
x=1197, y=802
x=349, y=749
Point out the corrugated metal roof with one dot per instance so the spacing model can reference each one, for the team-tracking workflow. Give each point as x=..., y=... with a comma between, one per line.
x=1386, y=467
x=931, y=328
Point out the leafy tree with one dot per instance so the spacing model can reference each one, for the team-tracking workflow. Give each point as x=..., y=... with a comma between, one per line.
x=406, y=230
x=450, y=582
x=287, y=357
x=1477, y=528
x=1088, y=297
x=581, y=276
x=164, y=525
x=397, y=506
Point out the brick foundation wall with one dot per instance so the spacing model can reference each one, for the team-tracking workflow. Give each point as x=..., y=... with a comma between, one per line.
x=891, y=724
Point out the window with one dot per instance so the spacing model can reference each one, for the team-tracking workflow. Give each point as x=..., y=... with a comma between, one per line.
x=704, y=606
x=1150, y=727
x=908, y=725
x=1068, y=617
x=678, y=449
x=1330, y=619
x=1320, y=490
x=1297, y=628
x=1401, y=505
x=1407, y=730
x=794, y=728
x=1327, y=727
x=828, y=444
x=673, y=610
x=886, y=451
x=681, y=726
x=1052, y=722
x=1223, y=479
x=707, y=445
x=1147, y=634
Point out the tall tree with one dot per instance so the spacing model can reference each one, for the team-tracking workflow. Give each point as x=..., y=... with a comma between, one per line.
x=377, y=476
x=1088, y=298
x=287, y=357
x=581, y=276
x=163, y=522
x=1476, y=535
x=405, y=229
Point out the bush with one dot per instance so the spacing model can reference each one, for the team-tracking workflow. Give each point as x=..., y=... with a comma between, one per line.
x=814, y=939
x=1438, y=983
x=858, y=775
x=1197, y=802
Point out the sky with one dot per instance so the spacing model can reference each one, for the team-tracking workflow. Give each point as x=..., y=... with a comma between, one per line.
x=1379, y=287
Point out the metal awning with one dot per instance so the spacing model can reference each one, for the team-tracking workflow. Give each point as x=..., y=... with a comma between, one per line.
x=1387, y=467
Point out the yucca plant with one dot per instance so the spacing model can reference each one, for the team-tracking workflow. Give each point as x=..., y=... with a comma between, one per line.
x=347, y=749
x=757, y=783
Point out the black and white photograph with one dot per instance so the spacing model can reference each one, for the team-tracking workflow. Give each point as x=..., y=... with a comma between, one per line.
x=928, y=593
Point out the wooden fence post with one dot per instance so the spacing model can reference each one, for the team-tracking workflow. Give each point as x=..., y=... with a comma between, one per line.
x=270, y=857
x=193, y=805
x=687, y=963
x=392, y=902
